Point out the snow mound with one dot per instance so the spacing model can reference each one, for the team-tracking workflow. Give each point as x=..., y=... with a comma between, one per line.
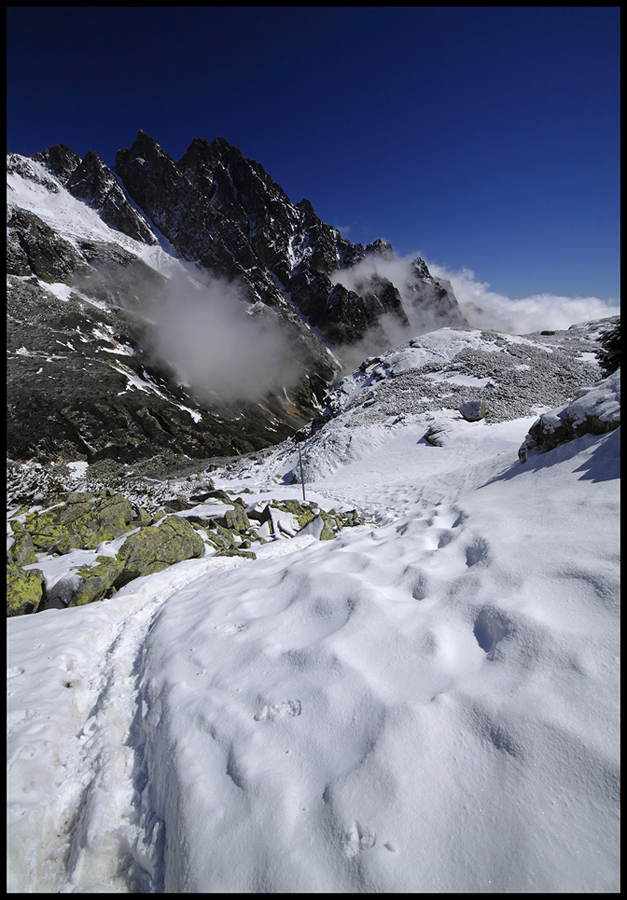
x=595, y=410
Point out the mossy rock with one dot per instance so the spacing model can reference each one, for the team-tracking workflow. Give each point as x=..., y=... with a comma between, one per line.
x=328, y=531
x=96, y=581
x=82, y=522
x=218, y=495
x=48, y=536
x=351, y=518
x=215, y=541
x=110, y=517
x=143, y=516
x=236, y=519
x=22, y=551
x=25, y=589
x=156, y=547
x=223, y=534
x=303, y=512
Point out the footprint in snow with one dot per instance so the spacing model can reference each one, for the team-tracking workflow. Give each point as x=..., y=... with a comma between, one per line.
x=284, y=709
x=358, y=838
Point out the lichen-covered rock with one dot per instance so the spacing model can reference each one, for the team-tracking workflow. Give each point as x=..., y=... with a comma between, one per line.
x=96, y=581
x=155, y=548
x=221, y=537
x=142, y=517
x=236, y=519
x=24, y=590
x=303, y=512
x=246, y=554
x=48, y=535
x=328, y=531
x=82, y=521
x=22, y=551
x=352, y=519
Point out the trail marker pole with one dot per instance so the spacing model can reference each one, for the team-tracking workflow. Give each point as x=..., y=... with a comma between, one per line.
x=302, y=479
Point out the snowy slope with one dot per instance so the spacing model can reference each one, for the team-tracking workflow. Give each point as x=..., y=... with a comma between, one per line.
x=426, y=703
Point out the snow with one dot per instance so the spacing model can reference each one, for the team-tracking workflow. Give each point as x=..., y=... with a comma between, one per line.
x=603, y=398
x=429, y=702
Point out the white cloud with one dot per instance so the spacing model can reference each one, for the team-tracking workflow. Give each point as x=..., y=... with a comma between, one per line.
x=487, y=309
x=217, y=343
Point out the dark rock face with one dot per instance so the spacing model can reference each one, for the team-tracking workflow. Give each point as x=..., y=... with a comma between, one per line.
x=71, y=367
x=60, y=160
x=33, y=248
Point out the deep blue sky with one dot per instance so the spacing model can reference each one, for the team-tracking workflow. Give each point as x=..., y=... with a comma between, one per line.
x=485, y=138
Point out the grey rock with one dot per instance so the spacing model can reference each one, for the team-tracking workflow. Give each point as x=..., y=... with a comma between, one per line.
x=93, y=182
x=60, y=160
x=473, y=410
x=36, y=249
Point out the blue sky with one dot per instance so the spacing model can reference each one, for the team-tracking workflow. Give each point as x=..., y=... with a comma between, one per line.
x=485, y=139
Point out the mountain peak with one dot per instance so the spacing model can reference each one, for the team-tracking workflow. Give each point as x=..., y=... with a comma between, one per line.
x=59, y=159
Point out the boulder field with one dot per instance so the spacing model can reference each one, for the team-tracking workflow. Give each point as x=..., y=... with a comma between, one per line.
x=128, y=542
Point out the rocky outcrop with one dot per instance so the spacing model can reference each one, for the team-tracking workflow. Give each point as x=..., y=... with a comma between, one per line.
x=595, y=410
x=82, y=521
x=33, y=248
x=60, y=160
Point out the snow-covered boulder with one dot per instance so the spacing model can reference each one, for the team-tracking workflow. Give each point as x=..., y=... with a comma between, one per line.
x=595, y=410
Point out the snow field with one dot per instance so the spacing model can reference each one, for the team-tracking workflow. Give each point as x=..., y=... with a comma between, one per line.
x=431, y=704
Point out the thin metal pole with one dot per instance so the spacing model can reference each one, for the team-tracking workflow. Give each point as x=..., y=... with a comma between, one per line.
x=302, y=479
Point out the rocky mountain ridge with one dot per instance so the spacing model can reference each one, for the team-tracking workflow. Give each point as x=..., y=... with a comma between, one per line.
x=89, y=248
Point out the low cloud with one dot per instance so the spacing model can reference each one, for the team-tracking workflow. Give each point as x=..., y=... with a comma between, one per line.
x=398, y=270
x=487, y=309
x=221, y=346
x=419, y=303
